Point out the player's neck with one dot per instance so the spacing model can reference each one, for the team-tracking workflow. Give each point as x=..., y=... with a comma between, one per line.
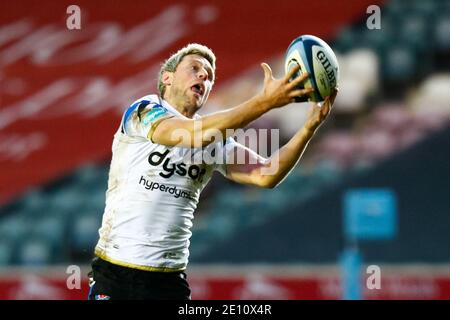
x=181, y=107
x=187, y=112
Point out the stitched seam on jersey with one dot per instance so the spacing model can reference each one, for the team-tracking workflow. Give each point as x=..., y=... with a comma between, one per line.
x=154, y=125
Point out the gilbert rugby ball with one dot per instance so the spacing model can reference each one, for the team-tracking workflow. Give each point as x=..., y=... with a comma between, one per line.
x=317, y=58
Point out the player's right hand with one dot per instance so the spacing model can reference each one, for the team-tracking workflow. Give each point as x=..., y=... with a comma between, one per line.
x=279, y=92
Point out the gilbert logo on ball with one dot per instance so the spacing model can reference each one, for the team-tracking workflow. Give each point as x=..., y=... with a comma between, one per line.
x=317, y=58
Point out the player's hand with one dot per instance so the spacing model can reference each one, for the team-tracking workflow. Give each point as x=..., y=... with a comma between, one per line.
x=320, y=112
x=279, y=92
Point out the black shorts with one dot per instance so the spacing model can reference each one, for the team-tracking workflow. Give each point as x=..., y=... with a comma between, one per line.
x=112, y=282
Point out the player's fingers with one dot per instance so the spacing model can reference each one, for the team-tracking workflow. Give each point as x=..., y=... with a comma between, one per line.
x=325, y=109
x=295, y=82
x=333, y=95
x=292, y=72
x=326, y=106
x=267, y=71
x=330, y=99
x=300, y=92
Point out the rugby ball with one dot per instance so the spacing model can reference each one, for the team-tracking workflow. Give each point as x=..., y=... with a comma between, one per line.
x=317, y=58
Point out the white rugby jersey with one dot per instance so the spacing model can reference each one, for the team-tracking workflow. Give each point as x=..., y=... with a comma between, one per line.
x=153, y=191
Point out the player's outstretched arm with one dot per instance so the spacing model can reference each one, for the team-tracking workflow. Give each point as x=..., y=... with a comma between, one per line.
x=268, y=173
x=199, y=133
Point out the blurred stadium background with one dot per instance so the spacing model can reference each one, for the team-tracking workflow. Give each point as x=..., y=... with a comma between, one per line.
x=61, y=97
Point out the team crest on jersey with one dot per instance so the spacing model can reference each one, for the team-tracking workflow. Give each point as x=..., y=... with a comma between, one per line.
x=156, y=112
x=102, y=297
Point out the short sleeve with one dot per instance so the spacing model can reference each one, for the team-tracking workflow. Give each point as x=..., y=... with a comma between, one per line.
x=143, y=117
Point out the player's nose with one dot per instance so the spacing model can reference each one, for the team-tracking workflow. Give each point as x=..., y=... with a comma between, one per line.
x=202, y=74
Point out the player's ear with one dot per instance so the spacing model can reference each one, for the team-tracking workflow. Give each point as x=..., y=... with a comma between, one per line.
x=167, y=78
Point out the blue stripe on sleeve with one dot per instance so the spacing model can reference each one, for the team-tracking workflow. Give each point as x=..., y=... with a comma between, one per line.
x=130, y=111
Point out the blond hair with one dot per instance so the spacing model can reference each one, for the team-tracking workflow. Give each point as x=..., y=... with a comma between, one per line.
x=171, y=64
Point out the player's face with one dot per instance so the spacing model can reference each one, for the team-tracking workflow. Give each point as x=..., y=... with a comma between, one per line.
x=191, y=82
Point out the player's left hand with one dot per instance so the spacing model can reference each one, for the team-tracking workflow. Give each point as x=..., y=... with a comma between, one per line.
x=320, y=112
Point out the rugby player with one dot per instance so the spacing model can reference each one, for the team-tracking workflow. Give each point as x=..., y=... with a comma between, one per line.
x=155, y=183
